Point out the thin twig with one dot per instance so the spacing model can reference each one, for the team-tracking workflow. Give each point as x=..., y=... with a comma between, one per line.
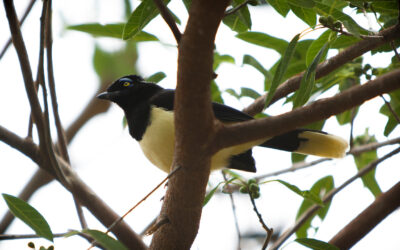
x=86, y=195
x=62, y=143
x=233, y=211
x=26, y=236
x=391, y=109
x=365, y=37
x=235, y=9
x=293, y=168
x=328, y=197
x=165, y=13
x=267, y=229
x=26, y=13
x=372, y=146
x=140, y=202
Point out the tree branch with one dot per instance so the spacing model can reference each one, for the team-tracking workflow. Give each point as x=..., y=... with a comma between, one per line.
x=193, y=128
x=166, y=14
x=76, y=186
x=321, y=109
x=385, y=204
x=326, y=67
x=26, y=13
x=328, y=197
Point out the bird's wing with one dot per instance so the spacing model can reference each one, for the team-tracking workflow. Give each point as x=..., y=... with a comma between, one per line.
x=227, y=114
x=165, y=99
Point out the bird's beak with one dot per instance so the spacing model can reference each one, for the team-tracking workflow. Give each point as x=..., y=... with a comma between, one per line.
x=104, y=95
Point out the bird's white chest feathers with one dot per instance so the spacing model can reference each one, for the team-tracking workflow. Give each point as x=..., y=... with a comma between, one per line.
x=158, y=140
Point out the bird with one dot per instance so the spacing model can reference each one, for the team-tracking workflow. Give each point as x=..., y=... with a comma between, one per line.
x=149, y=111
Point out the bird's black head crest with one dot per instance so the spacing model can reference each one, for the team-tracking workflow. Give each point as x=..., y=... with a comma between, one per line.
x=125, y=82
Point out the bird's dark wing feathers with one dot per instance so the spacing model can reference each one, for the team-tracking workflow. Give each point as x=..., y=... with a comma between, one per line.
x=165, y=99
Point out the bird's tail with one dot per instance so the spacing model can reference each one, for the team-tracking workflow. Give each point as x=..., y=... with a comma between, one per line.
x=309, y=142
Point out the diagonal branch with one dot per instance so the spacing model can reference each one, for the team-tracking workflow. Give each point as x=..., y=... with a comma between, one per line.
x=26, y=13
x=166, y=14
x=385, y=204
x=328, y=197
x=321, y=109
x=327, y=66
x=83, y=193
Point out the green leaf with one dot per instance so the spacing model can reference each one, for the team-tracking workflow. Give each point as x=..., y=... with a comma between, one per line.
x=280, y=6
x=282, y=67
x=240, y=20
x=105, y=240
x=219, y=59
x=316, y=244
x=326, y=10
x=343, y=41
x=366, y=158
x=29, y=215
x=113, y=30
x=316, y=46
x=302, y=3
x=320, y=188
x=305, y=194
x=232, y=92
x=307, y=15
x=140, y=17
x=308, y=80
x=249, y=60
x=216, y=93
x=249, y=93
x=264, y=40
x=395, y=104
x=156, y=77
x=112, y=65
x=351, y=28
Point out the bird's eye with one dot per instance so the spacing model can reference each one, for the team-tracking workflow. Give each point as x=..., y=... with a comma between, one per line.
x=126, y=84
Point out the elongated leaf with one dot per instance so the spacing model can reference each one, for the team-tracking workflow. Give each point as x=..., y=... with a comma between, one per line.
x=308, y=80
x=302, y=3
x=307, y=15
x=113, y=30
x=218, y=59
x=140, y=17
x=216, y=93
x=240, y=20
x=366, y=158
x=249, y=93
x=29, y=215
x=105, y=240
x=248, y=59
x=316, y=46
x=320, y=188
x=282, y=67
x=305, y=194
x=156, y=77
x=344, y=41
x=280, y=6
x=316, y=244
x=264, y=40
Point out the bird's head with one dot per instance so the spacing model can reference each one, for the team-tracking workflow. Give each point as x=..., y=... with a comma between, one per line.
x=128, y=90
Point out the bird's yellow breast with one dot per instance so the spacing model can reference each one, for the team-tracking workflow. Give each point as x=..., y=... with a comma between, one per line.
x=159, y=139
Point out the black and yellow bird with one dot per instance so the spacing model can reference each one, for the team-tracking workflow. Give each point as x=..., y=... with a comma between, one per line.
x=149, y=111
